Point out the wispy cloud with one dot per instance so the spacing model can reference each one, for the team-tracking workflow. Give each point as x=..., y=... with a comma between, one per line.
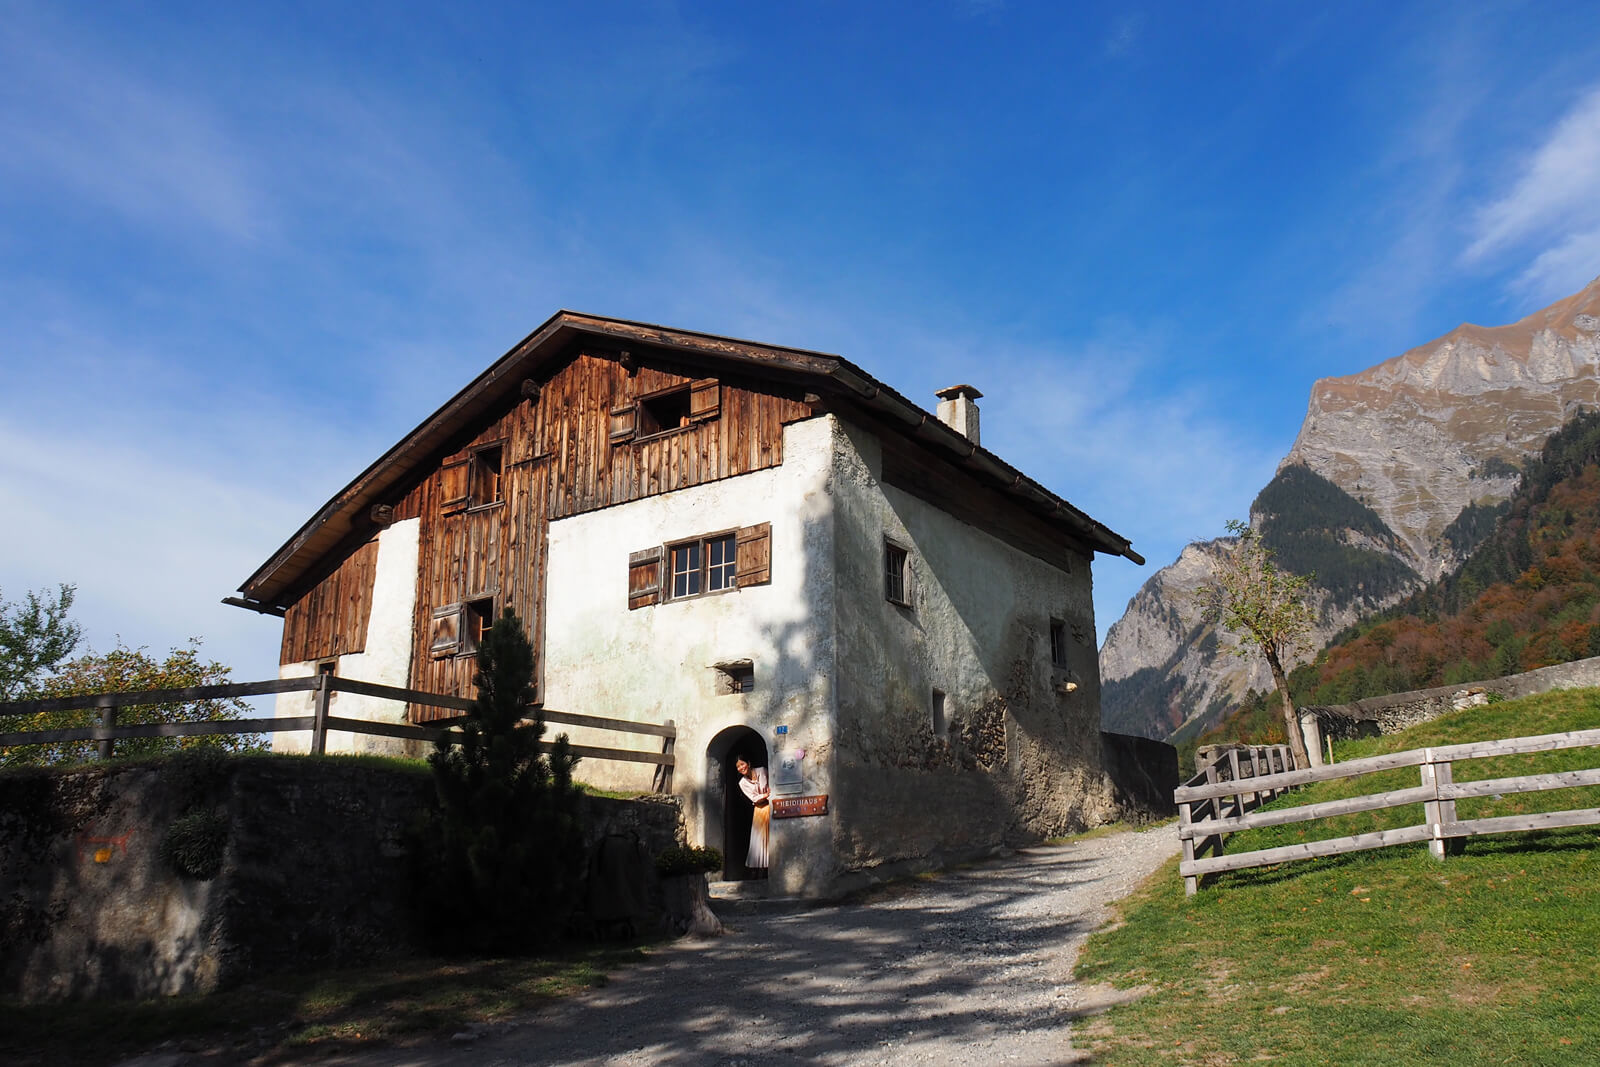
x=1553, y=205
x=121, y=141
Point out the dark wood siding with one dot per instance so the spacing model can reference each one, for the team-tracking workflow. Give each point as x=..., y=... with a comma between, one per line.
x=331, y=620
x=561, y=459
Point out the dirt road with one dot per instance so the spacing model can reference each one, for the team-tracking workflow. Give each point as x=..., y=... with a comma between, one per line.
x=972, y=966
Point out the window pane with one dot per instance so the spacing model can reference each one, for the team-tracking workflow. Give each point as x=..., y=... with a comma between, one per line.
x=723, y=556
x=686, y=569
x=894, y=573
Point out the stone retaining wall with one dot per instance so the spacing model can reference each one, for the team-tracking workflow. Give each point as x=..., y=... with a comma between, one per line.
x=1397, y=711
x=314, y=872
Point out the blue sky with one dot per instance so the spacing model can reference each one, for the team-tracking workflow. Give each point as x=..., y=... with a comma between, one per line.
x=244, y=248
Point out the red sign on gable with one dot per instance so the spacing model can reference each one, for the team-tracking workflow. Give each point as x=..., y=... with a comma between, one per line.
x=794, y=807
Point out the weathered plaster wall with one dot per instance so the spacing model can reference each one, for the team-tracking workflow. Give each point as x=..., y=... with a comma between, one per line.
x=315, y=873
x=385, y=658
x=1020, y=760
x=657, y=662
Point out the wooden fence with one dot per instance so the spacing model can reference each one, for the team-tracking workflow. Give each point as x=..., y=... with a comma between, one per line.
x=1209, y=809
x=320, y=722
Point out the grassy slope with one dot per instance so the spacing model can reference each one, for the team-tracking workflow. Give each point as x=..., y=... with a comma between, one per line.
x=1379, y=957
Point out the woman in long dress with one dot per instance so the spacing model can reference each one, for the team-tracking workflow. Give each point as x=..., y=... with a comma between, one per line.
x=753, y=783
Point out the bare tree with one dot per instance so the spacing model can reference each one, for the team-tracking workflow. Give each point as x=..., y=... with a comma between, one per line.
x=1267, y=608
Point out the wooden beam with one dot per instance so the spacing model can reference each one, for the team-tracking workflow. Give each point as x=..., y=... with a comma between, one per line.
x=160, y=696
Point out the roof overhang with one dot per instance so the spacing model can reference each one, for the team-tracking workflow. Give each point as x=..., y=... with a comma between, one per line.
x=278, y=581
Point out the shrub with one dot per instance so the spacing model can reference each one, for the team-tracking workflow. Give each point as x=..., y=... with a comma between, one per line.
x=688, y=860
x=195, y=843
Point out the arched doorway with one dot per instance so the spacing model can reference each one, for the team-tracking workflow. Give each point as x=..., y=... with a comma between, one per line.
x=727, y=812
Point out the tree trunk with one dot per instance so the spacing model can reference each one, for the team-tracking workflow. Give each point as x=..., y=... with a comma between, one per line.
x=1291, y=718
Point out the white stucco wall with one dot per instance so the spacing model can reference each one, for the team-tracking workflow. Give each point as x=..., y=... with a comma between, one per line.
x=385, y=658
x=656, y=663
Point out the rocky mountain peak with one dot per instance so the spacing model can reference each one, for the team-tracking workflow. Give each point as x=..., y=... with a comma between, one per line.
x=1372, y=496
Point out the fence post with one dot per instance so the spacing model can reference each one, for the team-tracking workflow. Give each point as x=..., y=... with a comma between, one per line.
x=108, y=719
x=319, y=721
x=1233, y=768
x=1262, y=796
x=1191, y=884
x=1433, y=810
x=663, y=775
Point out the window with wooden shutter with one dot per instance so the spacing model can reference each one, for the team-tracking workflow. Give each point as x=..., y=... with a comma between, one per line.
x=705, y=399
x=755, y=555
x=624, y=421
x=455, y=485
x=644, y=578
x=444, y=637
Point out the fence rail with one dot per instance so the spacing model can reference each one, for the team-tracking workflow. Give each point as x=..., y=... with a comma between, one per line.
x=1202, y=821
x=320, y=722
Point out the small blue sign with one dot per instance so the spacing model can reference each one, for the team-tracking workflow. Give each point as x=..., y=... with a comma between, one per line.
x=781, y=730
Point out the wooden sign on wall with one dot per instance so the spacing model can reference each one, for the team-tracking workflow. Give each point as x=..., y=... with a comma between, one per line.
x=795, y=807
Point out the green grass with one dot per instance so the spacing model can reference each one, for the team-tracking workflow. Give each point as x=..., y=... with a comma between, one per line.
x=1379, y=957
x=292, y=1017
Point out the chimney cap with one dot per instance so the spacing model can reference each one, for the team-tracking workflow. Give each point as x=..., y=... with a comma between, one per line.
x=955, y=392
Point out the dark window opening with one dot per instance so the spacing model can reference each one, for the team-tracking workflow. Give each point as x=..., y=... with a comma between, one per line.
x=895, y=561
x=486, y=476
x=735, y=678
x=941, y=722
x=478, y=617
x=1058, y=643
x=664, y=412
x=329, y=667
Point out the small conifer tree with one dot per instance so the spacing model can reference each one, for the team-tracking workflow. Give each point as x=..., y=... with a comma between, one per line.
x=501, y=861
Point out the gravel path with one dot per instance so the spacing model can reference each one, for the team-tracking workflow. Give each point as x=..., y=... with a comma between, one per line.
x=974, y=965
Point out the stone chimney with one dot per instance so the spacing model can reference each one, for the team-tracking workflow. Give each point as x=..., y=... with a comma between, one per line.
x=959, y=411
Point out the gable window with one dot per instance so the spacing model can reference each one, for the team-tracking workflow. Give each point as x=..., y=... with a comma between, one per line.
x=473, y=479
x=711, y=563
x=896, y=574
x=665, y=411
x=1058, y=643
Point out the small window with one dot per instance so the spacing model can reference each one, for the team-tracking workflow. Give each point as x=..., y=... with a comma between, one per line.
x=1058, y=643
x=329, y=667
x=479, y=616
x=708, y=565
x=664, y=412
x=485, y=476
x=895, y=573
x=941, y=723
x=735, y=678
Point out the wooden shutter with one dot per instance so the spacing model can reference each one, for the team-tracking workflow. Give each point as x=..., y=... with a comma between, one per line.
x=754, y=560
x=644, y=577
x=705, y=399
x=455, y=485
x=624, y=422
x=446, y=633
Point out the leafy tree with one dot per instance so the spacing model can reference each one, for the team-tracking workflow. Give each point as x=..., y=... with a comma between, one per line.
x=35, y=635
x=500, y=863
x=126, y=670
x=1267, y=608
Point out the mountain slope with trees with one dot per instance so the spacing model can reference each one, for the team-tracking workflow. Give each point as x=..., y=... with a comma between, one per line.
x=1528, y=597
